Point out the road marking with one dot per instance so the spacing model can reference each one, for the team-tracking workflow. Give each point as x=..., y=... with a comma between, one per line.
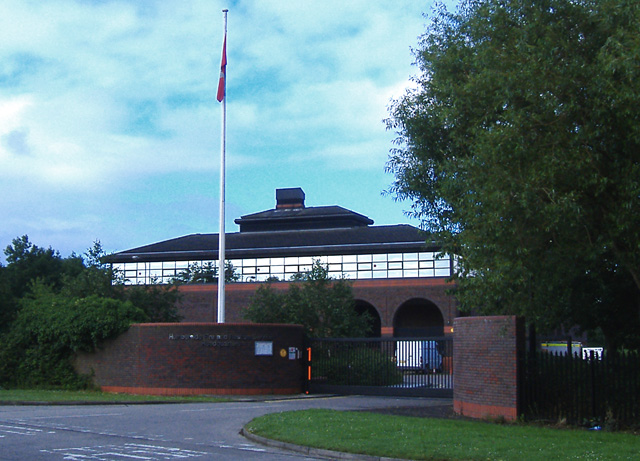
x=87, y=415
x=128, y=451
x=19, y=430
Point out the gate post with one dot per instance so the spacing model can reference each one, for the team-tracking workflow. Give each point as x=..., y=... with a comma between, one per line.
x=486, y=366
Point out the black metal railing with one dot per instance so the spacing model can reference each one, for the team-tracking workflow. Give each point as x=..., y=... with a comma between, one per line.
x=593, y=391
x=397, y=366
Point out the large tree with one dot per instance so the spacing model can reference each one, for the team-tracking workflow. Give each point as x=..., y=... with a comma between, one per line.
x=520, y=150
x=27, y=262
x=322, y=305
x=29, y=266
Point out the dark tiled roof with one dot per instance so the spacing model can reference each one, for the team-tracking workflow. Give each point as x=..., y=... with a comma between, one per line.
x=308, y=242
x=321, y=217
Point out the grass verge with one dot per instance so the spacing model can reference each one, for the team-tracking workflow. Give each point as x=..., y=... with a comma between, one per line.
x=439, y=439
x=59, y=396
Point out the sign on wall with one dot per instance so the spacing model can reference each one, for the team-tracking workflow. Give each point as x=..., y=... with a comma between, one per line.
x=264, y=347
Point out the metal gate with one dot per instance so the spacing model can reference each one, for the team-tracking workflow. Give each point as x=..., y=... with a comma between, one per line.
x=375, y=366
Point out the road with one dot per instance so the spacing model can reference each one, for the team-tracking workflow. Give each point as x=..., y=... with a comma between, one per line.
x=196, y=431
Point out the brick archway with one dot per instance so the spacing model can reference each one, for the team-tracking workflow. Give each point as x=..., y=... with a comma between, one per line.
x=418, y=317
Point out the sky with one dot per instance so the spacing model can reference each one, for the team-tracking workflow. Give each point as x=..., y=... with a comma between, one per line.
x=110, y=130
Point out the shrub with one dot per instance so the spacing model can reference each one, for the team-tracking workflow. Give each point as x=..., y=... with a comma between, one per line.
x=49, y=328
x=358, y=366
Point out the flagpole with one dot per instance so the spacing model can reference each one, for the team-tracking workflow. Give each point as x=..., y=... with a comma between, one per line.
x=221, y=241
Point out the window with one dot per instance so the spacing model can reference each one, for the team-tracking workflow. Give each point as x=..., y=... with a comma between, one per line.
x=363, y=266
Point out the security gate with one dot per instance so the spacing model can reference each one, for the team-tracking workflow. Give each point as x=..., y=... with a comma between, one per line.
x=375, y=366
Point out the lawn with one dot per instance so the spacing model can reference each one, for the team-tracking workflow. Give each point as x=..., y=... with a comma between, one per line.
x=36, y=395
x=439, y=439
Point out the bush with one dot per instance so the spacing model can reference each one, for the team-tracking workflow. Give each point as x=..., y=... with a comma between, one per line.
x=357, y=366
x=50, y=328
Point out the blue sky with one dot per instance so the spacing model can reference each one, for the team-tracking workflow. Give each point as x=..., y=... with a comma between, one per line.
x=110, y=128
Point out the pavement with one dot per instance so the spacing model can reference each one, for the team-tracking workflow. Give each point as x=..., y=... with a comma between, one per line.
x=182, y=430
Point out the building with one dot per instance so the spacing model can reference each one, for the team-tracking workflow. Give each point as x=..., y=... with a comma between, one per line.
x=397, y=277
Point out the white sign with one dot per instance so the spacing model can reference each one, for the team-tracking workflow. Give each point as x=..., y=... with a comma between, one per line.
x=596, y=351
x=264, y=347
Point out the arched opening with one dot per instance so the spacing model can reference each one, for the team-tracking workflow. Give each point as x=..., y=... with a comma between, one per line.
x=375, y=322
x=418, y=317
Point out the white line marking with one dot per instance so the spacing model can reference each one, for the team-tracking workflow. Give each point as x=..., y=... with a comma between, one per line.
x=20, y=430
x=128, y=451
x=95, y=415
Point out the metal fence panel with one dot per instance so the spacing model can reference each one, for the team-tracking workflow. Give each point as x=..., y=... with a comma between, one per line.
x=598, y=390
x=381, y=366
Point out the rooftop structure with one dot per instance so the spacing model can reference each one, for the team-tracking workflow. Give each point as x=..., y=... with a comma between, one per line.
x=400, y=280
x=278, y=243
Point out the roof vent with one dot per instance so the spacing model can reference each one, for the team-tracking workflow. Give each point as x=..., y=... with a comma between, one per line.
x=289, y=198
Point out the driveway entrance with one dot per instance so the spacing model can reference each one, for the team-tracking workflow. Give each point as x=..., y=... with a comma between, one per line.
x=419, y=367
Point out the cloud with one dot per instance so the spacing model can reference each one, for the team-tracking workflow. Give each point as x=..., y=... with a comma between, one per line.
x=16, y=142
x=108, y=107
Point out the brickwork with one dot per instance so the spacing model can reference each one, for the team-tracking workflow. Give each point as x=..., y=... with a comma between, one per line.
x=199, y=302
x=388, y=295
x=198, y=358
x=485, y=364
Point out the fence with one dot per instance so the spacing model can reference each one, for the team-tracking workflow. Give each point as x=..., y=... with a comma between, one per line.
x=584, y=392
x=375, y=366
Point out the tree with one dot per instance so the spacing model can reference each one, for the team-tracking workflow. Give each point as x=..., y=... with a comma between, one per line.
x=324, y=306
x=520, y=150
x=158, y=302
x=26, y=262
x=206, y=273
x=8, y=303
x=75, y=277
x=94, y=278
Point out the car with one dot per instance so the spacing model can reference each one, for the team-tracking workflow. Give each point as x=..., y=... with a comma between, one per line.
x=419, y=355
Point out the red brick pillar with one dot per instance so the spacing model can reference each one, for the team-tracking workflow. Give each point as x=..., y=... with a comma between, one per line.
x=486, y=366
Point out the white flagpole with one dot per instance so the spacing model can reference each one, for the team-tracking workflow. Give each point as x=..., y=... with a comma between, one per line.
x=221, y=241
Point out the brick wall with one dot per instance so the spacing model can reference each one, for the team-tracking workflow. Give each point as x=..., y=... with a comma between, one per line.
x=199, y=302
x=485, y=364
x=387, y=295
x=198, y=358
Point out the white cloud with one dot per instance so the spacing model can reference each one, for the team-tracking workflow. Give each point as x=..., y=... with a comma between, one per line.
x=102, y=102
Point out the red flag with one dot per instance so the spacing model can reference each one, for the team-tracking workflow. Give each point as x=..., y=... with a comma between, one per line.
x=223, y=71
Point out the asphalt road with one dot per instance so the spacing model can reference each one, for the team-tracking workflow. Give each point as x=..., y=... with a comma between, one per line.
x=159, y=432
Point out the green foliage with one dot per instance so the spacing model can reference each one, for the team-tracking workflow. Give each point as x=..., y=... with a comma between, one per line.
x=158, y=302
x=93, y=278
x=520, y=150
x=51, y=307
x=50, y=327
x=8, y=302
x=93, y=396
x=324, y=306
x=612, y=299
x=206, y=273
x=363, y=366
x=26, y=262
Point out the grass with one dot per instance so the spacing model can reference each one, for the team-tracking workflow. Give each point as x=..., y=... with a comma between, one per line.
x=440, y=439
x=58, y=396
